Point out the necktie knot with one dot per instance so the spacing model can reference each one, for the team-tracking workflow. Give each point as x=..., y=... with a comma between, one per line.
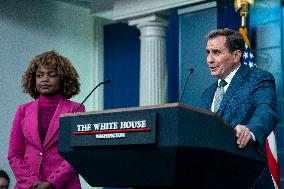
x=222, y=83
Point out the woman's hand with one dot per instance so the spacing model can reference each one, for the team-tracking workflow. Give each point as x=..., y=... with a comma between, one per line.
x=44, y=185
x=34, y=186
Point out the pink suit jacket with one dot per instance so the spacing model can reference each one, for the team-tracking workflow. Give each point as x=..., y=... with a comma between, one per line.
x=33, y=161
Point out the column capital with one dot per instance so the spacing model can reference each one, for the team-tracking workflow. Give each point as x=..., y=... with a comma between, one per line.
x=151, y=26
x=151, y=20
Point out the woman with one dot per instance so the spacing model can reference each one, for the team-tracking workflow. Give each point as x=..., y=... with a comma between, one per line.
x=33, y=148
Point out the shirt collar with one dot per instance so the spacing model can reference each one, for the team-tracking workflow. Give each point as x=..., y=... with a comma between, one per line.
x=229, y=78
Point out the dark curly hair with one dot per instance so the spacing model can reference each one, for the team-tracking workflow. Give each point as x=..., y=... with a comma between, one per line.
x=67, y=74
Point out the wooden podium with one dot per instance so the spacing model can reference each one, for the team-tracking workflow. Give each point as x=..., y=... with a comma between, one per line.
x=164, y=145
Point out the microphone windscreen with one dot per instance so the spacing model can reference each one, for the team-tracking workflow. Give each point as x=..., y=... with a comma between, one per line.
x=107, y=81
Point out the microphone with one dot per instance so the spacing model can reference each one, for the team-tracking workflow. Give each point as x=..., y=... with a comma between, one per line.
x=190, y=71
x=103, y=82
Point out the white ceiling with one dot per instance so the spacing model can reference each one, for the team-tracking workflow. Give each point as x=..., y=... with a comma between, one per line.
x=94, y=5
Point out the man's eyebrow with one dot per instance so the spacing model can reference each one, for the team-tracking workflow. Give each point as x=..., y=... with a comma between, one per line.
x=215, y=49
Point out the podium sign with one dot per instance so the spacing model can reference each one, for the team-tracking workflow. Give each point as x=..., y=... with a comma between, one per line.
x=164, y=145
x=115, y=129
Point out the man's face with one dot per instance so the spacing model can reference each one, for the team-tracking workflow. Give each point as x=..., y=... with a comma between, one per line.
x=4, y=184
x=220, y=61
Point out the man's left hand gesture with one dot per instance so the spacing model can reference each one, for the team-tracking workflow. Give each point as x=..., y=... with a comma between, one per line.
x=243, y=135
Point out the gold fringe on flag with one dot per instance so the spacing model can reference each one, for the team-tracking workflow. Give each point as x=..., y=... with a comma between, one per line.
x=244, y=32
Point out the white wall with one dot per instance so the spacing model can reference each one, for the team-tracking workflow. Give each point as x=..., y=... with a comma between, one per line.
x=28, y=28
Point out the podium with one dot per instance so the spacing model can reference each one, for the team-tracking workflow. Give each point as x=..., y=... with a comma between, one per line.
x=169, y=145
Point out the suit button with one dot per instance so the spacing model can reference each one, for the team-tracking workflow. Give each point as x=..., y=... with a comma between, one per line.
x=40, y=153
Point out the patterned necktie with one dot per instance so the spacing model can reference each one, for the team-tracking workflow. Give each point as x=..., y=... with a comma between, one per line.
x=219, y=94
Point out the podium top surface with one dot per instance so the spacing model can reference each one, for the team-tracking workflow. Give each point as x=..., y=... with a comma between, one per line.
x=150, y=107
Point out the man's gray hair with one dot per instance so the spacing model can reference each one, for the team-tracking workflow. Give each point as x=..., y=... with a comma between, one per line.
x=234, y=40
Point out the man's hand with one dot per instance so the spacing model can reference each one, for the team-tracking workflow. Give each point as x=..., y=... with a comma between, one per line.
x=243, y=135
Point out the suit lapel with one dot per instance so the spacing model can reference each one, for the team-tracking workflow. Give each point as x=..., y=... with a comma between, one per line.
x=62, y=107
x=32, y=118
x=235, y=84
x=210, y=95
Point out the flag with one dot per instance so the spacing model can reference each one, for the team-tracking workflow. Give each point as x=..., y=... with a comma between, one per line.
x=272, y=158
x=248, y=58
x=271, y=148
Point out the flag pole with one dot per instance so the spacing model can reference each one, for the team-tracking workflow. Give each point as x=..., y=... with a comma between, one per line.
x=242, y=5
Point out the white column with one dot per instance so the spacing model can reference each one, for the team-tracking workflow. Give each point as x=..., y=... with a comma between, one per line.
x=153, y=60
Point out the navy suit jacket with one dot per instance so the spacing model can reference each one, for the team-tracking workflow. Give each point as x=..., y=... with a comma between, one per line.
x=250, y=100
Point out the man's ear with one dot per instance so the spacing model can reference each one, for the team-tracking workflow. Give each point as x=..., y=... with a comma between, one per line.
x=237, y=55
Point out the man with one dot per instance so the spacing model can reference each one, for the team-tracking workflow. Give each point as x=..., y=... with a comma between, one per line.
x=244, y=97
x=4, y=180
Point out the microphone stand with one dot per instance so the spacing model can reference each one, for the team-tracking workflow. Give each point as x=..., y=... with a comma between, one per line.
x=190, y=71
x=103, y=82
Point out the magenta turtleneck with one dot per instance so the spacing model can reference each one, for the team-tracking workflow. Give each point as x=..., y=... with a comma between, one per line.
x=47, y=107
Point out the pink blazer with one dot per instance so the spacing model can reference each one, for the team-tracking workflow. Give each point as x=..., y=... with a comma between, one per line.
x=33, y=161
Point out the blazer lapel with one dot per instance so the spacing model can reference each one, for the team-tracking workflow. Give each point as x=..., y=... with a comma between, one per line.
x=62, y=107
x=32, y=118
x=210, y=96
x=235, y=84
